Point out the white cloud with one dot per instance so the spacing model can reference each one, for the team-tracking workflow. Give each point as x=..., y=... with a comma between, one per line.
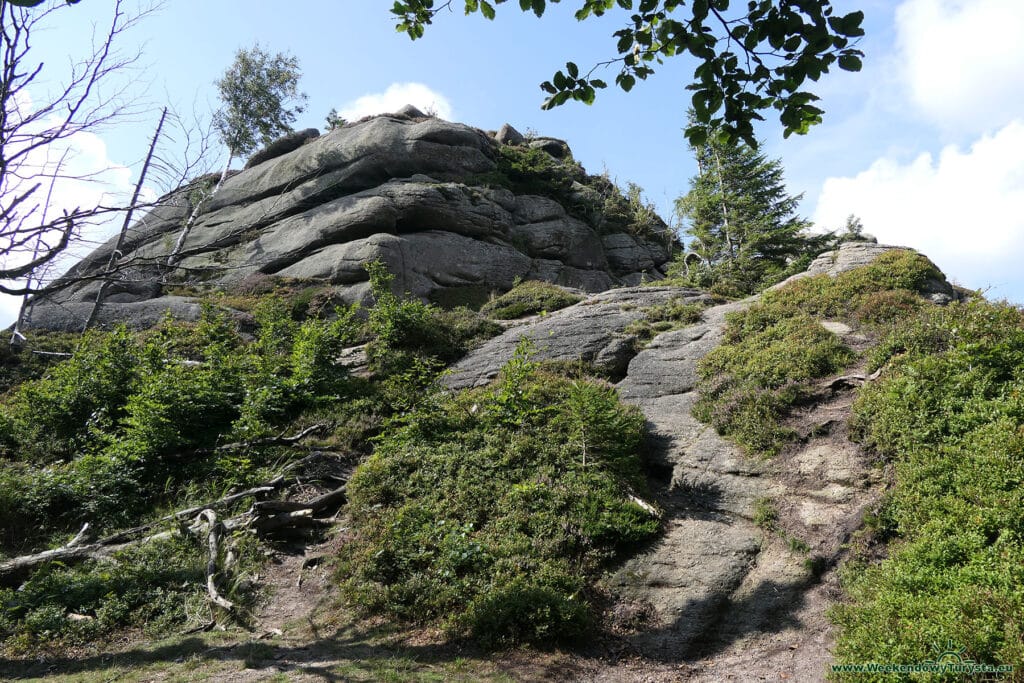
x=964, y=60
x=394, y=98
x=963, y=210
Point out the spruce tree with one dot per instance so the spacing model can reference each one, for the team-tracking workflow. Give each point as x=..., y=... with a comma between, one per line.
x=742, y=227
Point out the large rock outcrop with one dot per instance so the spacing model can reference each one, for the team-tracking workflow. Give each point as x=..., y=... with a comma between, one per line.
x=440, y=203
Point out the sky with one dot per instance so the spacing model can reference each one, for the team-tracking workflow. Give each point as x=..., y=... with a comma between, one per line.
x=925, y=145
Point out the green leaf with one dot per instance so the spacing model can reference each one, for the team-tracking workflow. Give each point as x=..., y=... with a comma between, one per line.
x=696, y=135
x=486, y=9
x=573, y=70
x=850, y=63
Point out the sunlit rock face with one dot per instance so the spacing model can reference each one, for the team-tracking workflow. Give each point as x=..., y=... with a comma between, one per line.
x=429, y=198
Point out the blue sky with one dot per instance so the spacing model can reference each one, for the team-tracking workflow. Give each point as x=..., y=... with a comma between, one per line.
x=926, y=144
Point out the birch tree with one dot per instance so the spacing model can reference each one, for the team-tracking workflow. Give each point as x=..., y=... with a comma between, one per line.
x=260, y=100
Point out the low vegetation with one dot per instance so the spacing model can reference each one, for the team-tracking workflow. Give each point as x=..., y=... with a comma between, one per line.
x=595, y=199
x=529, y=298
x=774, y=349
x=940, y=562
x=134, y=425
x=492, y=512
x=674, y=314
x=947, y=413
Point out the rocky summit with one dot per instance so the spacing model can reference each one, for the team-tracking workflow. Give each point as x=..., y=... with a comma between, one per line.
x=569, y=448
x=456, y=213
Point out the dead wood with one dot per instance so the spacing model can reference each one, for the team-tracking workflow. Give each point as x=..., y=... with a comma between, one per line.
x=263, y=517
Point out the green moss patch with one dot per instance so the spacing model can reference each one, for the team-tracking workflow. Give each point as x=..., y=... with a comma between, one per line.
x=674, y=314
x=493, y=512
x=529, y=298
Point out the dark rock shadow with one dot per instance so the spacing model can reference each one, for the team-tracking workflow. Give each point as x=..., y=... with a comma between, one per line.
x=709, y=627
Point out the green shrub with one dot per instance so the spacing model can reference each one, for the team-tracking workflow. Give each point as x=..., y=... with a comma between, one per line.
x=131, y=421
x=765, y=513
x=748, y=383
x=947, y=412
x=674, y=314
x=526, y=170
x=889, y=306
x=158, y=586
x=492, y=511
x=62, y=414
x=31, y=358
x=775, y=348
x=404, y=329
x=839, y=297
x=528, y=298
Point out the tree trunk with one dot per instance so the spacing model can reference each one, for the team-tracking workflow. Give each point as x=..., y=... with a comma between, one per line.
x=116, y=253
x=725, y=211
x=172, y=259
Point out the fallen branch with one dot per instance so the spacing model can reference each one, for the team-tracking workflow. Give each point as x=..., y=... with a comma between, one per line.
x=318, y=504
x=79, y=537
x=188, y=513
x=213, y=548
x=263, y=518
x=274, y=440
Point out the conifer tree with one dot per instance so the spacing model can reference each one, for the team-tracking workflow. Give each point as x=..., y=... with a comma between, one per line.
x=743, y=230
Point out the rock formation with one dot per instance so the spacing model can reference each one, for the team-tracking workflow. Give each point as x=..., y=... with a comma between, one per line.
x=453, y=212
x=723, y=593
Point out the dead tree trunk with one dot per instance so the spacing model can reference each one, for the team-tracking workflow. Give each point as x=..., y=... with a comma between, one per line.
x=116, y=253
x=183, y=235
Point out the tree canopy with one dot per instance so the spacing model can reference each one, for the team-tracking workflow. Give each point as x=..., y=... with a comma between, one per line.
x=750, y=59
x=258, y=91
x=741, y=222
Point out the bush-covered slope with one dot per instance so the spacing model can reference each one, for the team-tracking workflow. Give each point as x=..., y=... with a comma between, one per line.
x=133, y=426
x=948, y=413
x=493, y=512
x=941, y=564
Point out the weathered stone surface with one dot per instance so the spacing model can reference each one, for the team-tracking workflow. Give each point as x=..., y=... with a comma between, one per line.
x=559, y=149
x=284, y=144
x=70, y=317
x=410, y=111
x=568, y=240
x=587, y=331
x=660, y=250
x=366, y=155
x=836, y=327
x=423, y=262
x=509, y=136
x=403, y=188
x=533, y=209
x=577, y=278
x=625, y=255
